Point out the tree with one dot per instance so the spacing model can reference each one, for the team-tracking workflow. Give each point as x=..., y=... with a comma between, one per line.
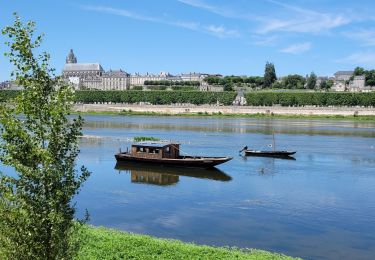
x=228, y=86
x=269, y=75
x=311, y=81
x=326, y=84
x=294, y=81
x=41, y=143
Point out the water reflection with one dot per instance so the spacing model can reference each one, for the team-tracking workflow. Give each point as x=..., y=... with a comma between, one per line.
x=164, y=176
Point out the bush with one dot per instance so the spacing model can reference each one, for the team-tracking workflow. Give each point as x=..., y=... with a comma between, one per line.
x=156, y=97
x=310, y=99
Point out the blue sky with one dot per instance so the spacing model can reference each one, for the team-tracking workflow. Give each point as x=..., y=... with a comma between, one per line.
x=213, y=36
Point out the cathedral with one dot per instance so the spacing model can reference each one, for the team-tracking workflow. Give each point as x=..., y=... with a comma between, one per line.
x=92, y=75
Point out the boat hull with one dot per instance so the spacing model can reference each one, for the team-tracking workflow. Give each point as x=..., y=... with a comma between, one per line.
x=186, y=161
x=276, y=154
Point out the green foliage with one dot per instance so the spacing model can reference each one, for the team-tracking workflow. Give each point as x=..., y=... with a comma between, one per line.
x=326, y=84
x=6, y=95
x=41, y=143
x=294, y=81
x=311, y=81
x=156, y=97
x=171, y=83
x=369, y=75
x=100, y=243
x=252, y=81
x=310, y=99
x=145, y=138
x=228, y=87
x=184, y=88
x=269, y=75
x=137, y=88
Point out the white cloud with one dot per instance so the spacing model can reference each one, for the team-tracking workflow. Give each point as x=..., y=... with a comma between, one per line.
x=360, y=58
x=221, y=31
x=297, y=48
x=365, y=36
x=218, y=31
x=211, y=8
x=304, y=20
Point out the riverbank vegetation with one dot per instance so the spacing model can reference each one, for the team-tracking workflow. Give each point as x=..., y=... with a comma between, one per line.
x=255, y=98
x=102, y=243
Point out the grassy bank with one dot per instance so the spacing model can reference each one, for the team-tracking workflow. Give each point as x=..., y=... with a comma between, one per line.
x=101, y=243
x=221, y=115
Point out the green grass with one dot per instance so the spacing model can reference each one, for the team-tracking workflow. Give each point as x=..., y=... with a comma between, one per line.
x=219, y=114
x=102, y=243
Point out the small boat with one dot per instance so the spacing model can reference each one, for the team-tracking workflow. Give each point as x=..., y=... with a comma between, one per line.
x=269, y=153
x=167, y=154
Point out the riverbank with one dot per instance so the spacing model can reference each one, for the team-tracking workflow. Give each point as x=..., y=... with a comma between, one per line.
x=339, y=113
x=102, y=243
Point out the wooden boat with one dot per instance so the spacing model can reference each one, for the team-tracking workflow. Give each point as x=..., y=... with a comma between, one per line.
x=269, y=153
x=166, y=154
x=160, y=175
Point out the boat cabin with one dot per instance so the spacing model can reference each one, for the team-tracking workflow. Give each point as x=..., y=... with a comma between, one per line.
x=155, y=150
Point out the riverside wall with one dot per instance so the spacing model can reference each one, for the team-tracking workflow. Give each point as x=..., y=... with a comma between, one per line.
x=191, y=109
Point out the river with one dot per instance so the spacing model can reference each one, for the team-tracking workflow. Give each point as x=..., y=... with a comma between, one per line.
x=319, y=206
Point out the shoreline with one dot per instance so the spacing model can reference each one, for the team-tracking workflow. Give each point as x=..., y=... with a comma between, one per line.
x=106, y=243
x=276, y=112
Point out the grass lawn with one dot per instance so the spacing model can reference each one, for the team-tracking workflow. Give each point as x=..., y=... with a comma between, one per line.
x=102, y=243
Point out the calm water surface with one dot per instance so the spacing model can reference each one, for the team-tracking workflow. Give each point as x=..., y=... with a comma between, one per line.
x=319, y=206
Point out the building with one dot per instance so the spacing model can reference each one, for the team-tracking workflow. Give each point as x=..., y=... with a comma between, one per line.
x=343, y=75
x=116, y=80
x=93, y=76
x=193, y=76
x=139, y=80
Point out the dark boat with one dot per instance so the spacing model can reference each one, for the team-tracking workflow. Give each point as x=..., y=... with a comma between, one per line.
x=270, y=153
x=166, y=154
x=276, y=154
x=159, y=175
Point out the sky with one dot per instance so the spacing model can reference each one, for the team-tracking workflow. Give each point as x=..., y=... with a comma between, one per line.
x=232, y=37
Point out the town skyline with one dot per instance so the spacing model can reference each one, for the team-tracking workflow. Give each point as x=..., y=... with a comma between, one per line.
x=183, y=36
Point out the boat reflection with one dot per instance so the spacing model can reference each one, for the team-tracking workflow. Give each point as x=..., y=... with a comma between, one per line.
x=164, y=176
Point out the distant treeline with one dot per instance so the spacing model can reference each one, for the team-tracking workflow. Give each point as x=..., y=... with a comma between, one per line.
x=226, y=98
x=171, y=83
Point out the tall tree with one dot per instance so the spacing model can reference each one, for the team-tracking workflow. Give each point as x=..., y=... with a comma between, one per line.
x=311, y=81
x=269, y=75
x=41, y=143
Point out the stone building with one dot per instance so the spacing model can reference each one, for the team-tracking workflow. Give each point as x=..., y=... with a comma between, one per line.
x=343, y=75
x=93, y=76
x=139, y=79
x=115, y=80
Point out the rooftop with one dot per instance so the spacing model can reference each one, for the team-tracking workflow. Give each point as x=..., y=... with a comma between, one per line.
x=82, y=67
x=153, y=144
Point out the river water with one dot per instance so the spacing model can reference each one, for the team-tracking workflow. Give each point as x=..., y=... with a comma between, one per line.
x=319, y=206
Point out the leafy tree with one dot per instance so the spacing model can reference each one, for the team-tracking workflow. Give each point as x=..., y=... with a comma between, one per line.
x=294, y=81
x=326, y=84
x=40, y=142
x=358, y=71
x=228, y=87
x=269, y=75
x=311, y=81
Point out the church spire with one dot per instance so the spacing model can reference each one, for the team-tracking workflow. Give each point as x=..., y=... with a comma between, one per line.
x=71, y=57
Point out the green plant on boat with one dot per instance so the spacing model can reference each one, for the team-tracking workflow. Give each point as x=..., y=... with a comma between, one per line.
x=145, y=138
